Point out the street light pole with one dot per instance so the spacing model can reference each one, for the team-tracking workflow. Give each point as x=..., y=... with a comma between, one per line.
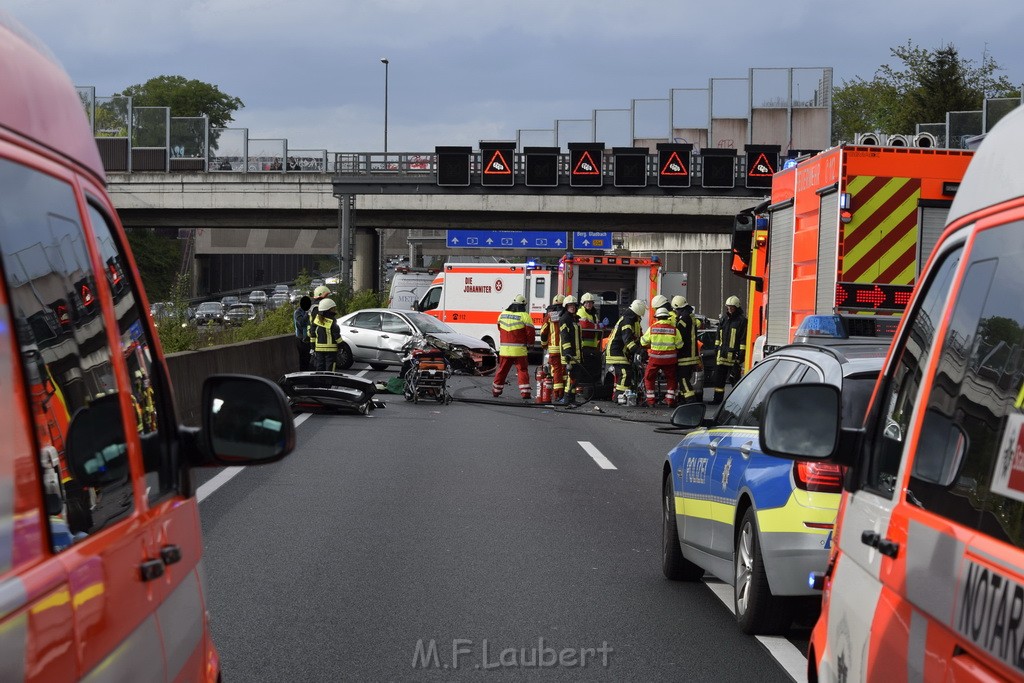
x=384, y=61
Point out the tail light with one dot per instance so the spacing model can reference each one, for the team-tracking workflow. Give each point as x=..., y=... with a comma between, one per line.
x=821, y=477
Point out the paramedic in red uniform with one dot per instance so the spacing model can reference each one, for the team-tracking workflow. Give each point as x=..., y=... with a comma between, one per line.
x=663, y=341
x=515, y=328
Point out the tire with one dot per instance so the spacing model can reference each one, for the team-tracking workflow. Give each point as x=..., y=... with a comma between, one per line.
x=345, y=359
x=379, y=366
x=489, y=342
x=758, y=612
x=673, y=564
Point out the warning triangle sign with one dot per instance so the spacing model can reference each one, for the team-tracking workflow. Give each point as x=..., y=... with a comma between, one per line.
x=761, y=168
x=497, y=165
x=586, y=165
x=674, y=165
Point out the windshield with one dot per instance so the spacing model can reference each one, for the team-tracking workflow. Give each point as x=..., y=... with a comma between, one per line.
x=207, y=307
x=241, y=308
x=429, y=324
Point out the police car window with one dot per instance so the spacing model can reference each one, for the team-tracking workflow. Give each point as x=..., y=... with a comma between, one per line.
x=781, y=374
x=900, y=394
x=974, y=474
x=733, y=405
x=148, y=389
x=395, y=325
x=366, y=321
x=66, y=360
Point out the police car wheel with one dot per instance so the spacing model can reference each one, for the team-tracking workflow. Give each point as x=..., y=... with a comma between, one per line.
x=344, y=357
x=758, y=612
x=673, y=564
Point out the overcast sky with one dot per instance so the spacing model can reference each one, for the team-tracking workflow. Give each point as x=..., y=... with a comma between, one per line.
x=461, y=71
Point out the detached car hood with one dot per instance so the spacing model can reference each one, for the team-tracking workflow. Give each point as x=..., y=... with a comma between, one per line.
x=464, y=353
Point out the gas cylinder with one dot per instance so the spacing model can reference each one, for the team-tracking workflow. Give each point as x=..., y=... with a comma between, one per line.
x=540, y=382
x=547, y=389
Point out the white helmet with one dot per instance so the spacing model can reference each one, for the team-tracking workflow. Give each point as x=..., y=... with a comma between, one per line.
x=520, y=299
x=558, y=299
x=320, y=292
x=569, y=300
x=732, y=301
x=587, y=297
x=678, y=301
x=326, y=305
x=661, y=313
x=638, y=307
x=659, y=300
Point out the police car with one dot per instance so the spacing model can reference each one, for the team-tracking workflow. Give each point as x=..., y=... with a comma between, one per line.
x=759, y=522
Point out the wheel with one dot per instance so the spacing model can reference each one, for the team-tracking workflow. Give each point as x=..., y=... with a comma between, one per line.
x=489, y=342
x=344, y=359
x=757, y=610
x=379, y=366
x=673, y=564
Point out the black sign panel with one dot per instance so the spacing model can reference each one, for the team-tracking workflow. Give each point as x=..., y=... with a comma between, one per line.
x=453, y=166
x=585, y=168
x=541, y=166
x=674, y=164
x=762, y=163
x=718, y=168
x=497, y=164
x=630, y=166
x=871, y=296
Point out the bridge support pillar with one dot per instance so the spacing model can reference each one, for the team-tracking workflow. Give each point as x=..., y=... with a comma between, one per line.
x=366, y=261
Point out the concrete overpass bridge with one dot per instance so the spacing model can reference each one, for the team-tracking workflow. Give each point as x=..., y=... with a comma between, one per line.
x=342, y=214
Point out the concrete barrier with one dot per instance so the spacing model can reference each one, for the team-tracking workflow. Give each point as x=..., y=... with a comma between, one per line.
x=271, y=358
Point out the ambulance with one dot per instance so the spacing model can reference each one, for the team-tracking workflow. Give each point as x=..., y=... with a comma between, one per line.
x=470, y=296
x=925, y=580
x=101, y=571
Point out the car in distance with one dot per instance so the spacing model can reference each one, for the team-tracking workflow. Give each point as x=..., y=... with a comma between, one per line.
x=756, y=521
x=281, y=289
x=377, y=336
x=239, y=314
x=209, y=312
x=258, y=297
x=229, y=301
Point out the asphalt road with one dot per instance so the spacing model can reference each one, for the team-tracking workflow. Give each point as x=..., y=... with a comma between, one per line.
x=468, y=541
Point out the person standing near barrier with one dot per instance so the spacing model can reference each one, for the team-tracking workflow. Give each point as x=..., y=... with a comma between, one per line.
x=662, y=340
x=623, y=344
x=325, y=336
x=689, y=355
x=300, y=321
x=732, y=347
x=550, y=339
x=570, y=333
x=516, y=333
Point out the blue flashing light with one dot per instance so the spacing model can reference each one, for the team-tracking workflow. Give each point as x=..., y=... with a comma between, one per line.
x=790, y=163
x=761, y=223
x=655, y=259
x=532, y=263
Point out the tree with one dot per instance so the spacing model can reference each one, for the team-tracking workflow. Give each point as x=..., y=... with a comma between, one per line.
x=930, y=83
x=185, y=98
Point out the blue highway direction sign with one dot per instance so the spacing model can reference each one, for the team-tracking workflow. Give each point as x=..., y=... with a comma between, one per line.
x=591, y=240
x=506, y=239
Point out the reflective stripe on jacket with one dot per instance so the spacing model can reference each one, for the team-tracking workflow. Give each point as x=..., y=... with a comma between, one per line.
x=732, y=338
x=688, y=324
x=324, y=334
x=570, y=333
x=516, y=333
x=663, y=339
x=624, y=338
x=589, y=329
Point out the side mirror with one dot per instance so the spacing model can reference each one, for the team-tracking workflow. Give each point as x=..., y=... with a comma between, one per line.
x=96, y=448
x=689, y=416
x=801, y=421
x=246, y=420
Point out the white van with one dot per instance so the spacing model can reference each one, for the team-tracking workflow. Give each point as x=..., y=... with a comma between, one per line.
x=407, y=286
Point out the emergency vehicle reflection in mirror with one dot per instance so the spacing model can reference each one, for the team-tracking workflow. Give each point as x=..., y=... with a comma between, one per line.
x=246, y=419
x=689, y=416
x=940, y=450
x=801, y=421
x=96, y=444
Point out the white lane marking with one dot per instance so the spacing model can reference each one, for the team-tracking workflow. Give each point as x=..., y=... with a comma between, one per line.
x=784, y=652
x=598, y=456
x=228, y=473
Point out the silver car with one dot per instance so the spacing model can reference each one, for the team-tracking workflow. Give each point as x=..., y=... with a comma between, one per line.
x=377, y=335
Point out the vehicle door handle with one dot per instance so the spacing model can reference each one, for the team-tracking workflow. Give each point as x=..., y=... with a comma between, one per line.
x=384, y=336
x=745, y=449
x=151, y=569
x=883, y=545
x=713, y=446
x=170, y=554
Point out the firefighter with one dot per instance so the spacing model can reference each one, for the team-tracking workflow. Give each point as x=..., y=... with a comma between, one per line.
x=591, y=330
x=623, y=344
x=515, y=329
x=662, y=340
x=689, y=354
x=570, y=333
x=325, y=335
x=551, y=341
x=732, y=346
x=660, y=302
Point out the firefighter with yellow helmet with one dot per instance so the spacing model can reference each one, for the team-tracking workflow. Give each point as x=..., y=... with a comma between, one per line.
x=732, y=347
x=570, y=333
x=550, y=339
x=623, y=345
x=325, y=335
x=688, y=360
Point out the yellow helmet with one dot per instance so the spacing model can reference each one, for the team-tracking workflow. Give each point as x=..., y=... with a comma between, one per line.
x=659, y=300
x=638, y=307
x=520, y=299
x=326, y=305
x=558, y=299
x=569, y=300
x=678, y=301
x=732, y=301
x=587, y=297
x=320, y=292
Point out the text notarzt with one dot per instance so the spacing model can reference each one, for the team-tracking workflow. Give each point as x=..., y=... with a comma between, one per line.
x=467, y=653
